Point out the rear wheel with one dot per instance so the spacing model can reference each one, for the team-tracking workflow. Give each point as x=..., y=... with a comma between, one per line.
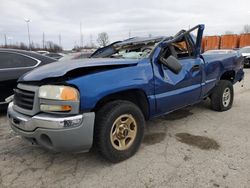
x=222, y=96
x=119, y=129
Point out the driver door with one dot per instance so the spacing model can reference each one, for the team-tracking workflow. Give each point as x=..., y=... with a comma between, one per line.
x=174, y=91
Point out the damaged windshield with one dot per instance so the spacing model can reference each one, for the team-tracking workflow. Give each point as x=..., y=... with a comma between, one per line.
x=134, y=48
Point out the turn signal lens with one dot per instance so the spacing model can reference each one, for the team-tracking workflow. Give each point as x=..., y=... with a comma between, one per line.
x=54, y=108
x=69, y=94
x=66, y=108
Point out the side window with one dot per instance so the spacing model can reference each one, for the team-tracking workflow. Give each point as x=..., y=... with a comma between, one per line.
x=13, y=60
x=184, y=48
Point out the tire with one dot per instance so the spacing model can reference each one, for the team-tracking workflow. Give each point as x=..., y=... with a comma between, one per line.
x=246, y=63
x=112, y=137
x=220, y=103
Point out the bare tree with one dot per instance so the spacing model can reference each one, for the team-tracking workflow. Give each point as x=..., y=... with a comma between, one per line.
x=246, y=29
x=52, y=47
x=23, y=46
x=103, y=39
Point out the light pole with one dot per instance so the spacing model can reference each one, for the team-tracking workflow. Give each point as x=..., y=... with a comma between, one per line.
x=27, y=21
x=10, y=40
x=81, y=37
x=5, y=40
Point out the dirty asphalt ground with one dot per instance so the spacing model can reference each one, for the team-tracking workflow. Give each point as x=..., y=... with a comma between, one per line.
x=193, y=147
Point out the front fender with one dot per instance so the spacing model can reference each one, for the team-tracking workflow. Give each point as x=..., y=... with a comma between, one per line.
x=95, y=86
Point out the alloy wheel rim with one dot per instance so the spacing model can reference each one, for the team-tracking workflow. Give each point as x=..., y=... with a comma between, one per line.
x=123, y=132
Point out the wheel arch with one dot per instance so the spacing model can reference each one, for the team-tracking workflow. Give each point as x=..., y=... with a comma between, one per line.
x=228, y=75
x=136, y=96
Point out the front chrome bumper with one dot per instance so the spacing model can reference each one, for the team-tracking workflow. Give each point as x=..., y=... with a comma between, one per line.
x=74, y=133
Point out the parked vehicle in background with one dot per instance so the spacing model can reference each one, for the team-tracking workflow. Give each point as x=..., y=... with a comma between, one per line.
x=104, y=100
x=43, y=52
x=245, y=52
x=56, y=56
x=13, y=64
x=76, y=55
x=221, y=51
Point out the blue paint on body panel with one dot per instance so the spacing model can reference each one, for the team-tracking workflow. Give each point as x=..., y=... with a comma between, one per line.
x=165, y=90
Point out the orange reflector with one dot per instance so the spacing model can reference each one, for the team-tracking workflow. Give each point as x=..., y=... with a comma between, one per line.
x=66, y=108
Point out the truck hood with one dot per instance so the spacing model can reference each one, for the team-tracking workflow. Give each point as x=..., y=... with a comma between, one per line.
x=59, y=69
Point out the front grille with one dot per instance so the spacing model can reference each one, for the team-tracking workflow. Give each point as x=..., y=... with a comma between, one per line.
x=24, y=99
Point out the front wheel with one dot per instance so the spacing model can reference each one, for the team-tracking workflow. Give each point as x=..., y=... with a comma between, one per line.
x=222, y=96
x=119, y=129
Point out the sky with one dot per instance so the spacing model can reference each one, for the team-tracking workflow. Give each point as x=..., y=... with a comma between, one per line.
x=119, y=18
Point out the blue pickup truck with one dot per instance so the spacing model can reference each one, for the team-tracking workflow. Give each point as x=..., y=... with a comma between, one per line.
x=104, y=101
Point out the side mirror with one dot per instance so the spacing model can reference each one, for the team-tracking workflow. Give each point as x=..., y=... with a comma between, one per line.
x=172, y=63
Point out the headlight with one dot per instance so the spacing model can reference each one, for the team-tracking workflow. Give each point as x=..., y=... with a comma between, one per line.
x=65, y=93
x=60, y=94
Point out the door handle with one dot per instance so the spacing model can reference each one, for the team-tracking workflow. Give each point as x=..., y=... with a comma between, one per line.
x=196, y=68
